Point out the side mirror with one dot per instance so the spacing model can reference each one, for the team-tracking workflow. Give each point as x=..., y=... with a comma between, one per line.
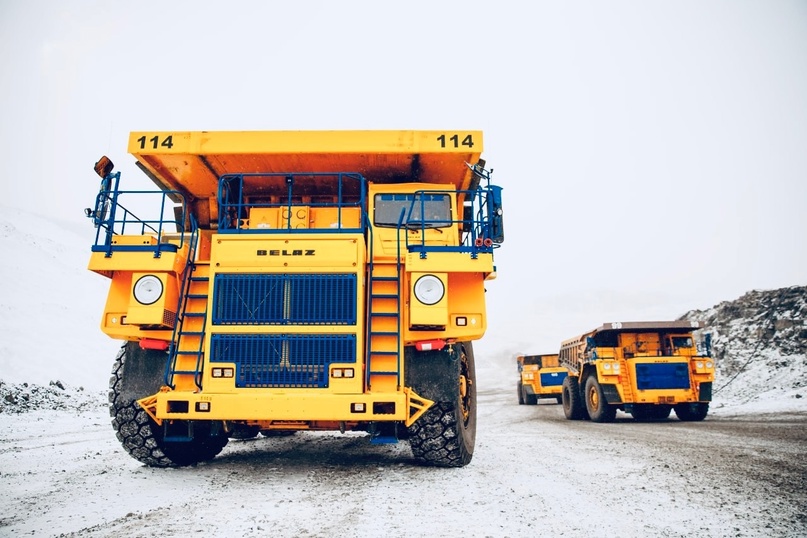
x=496, y=215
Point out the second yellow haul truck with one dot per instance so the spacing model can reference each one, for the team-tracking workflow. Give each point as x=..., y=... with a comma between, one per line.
x=540, y=376
x=290, y=280
x=647, y=369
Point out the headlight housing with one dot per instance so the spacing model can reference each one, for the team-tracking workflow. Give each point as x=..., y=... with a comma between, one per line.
x=148, y=289
x=429, y=289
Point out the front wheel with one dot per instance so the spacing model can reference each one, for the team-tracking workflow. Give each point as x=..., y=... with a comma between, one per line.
x=572, y=400
x=445, y=435
x=138, y=373
x=599, y=410
x=520, y=390
x=692, y=412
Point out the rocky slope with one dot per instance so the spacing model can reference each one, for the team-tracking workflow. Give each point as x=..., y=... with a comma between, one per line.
x=759, y=342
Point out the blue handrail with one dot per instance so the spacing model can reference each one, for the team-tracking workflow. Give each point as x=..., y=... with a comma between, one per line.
x=112, y=218
x=234, y=207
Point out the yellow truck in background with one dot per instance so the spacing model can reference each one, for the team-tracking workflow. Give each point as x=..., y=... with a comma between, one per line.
x=281, y=281
x=646, y=369
x=540, y=376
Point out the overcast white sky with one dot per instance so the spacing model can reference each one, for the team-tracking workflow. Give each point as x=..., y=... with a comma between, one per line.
x=653, y=154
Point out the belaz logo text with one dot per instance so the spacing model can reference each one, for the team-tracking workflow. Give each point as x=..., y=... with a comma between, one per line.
x=296, y=252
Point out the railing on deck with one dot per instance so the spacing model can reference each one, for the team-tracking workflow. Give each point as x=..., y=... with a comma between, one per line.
x=478, y=225
x=118, y=226
x=332, y=202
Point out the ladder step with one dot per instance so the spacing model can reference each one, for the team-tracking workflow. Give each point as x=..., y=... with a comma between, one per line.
x=194, y=314
x=384, y=296
x=174, y=372
x=192, y=333
x=200, y=279
x=181, y=352
x=383, y=333
x=384, y=314
x=386, y=353
x=383, y=372
x=196, y=296
x=384, y=278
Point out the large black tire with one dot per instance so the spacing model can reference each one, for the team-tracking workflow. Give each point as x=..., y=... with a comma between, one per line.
x=520, y=390
x=446, y=434
x=650, y=412
x=572, y=400
x=599, y=410
x=692, y=412
x=140, y=436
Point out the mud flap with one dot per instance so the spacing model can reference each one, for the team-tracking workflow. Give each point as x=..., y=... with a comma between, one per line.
x=143, y=372
x=705, y=392
x=433, y=374
x=611, y=393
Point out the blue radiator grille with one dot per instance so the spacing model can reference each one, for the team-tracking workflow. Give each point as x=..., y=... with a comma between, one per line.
x=282, y=360
x=662, y=376
x=553, y=379
x=283, y=299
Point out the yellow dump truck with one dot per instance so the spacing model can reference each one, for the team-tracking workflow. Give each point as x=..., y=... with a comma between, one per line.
x=280, y=281
x=646, y=369
x=540, y=376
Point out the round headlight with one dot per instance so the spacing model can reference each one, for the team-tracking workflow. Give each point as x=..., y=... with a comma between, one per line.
x=148, y=289
x=699, y=364
x=709, y=364
x=429, y=290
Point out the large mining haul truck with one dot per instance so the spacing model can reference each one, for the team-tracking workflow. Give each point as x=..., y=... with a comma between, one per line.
x=646, y=369
x=540, y=376
x=287, y=281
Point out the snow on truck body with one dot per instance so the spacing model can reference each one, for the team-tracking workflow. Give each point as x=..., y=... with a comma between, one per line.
x=326, y=280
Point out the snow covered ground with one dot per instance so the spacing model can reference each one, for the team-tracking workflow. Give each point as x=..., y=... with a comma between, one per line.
x=741, y=472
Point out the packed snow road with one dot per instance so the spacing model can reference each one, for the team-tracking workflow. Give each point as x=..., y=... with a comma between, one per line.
x=533, y=473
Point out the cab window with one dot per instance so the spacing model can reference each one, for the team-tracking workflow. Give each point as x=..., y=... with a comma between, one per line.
x=682, y=341
x=423, y=209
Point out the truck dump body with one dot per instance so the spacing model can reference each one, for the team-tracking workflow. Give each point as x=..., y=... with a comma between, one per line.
x=192, y=162
x=643, y=368
x=329, y=280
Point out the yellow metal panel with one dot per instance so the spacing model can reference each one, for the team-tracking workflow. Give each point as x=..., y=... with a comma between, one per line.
x=450, y=262
x=155, y=313
x=421, y=314
x=279, y=404
x=138, y=261
x=273, y=252
x=191, y=162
